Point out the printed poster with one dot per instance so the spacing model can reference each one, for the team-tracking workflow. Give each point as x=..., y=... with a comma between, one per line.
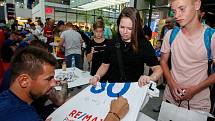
x=93, y=103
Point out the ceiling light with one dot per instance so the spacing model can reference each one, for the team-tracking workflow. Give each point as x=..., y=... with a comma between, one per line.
x=101, y=4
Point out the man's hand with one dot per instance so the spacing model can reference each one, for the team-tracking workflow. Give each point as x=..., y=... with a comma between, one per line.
x=189, y=93
x=176, y=92
x=143, y=80
x=119, y=106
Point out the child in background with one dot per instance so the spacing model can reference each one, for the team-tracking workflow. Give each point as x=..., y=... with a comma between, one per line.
x=95, y=50
x=158, y=49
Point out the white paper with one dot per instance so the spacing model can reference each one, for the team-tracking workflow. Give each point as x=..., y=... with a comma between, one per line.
x=87, y=106
x=144, y=117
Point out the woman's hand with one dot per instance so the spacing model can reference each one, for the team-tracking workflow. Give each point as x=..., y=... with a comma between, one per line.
x=143, y=80
x=94, y=80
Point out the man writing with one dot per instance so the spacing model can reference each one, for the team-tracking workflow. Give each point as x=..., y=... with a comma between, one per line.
x=32, y=76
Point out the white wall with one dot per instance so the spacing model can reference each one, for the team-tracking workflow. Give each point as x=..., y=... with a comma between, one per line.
x=23, y=13
x=39, y=11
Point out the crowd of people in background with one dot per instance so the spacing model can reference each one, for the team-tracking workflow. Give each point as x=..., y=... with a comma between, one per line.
x=119, y=58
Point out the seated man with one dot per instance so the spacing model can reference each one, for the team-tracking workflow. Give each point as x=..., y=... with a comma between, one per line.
x=32, y=76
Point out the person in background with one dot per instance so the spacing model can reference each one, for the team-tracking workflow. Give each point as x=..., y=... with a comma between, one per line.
x=147, y=32
x=27, y=25
x=9, y=47
x=14, y=26
x=135, y=52
x=158, y=49
x=2, y=37
x=48, y=32
x=169, y=24
x=88, y=32
x=72, y=41
x=95, y=50
x=34, y=30
x=60, y=27
x=40, y=26
x=85, y=44
x=107, y=30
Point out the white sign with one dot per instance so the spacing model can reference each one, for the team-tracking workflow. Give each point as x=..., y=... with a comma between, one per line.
x=93, y=103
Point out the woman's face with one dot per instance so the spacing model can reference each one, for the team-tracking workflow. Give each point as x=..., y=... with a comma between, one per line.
x=125, y=28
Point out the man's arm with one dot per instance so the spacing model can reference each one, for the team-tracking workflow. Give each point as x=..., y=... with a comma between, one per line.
x=195, y=89
x=174, y=88
x=118, y=109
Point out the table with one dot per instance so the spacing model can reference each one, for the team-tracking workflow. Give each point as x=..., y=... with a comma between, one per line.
x=77, y=79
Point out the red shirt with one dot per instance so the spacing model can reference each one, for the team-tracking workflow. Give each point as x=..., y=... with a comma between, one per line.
x=1, y=38
x=48, y=32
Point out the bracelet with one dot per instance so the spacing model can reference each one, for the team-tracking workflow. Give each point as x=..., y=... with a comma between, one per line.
x=97, y=76
x=114, y=115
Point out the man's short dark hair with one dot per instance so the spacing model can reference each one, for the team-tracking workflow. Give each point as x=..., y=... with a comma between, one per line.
x=30, y=60
x=47, y=19
x=100, y=17
x=161, y=41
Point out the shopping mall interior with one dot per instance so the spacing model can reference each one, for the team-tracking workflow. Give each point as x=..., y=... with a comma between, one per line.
x=46, y=20
x=85, y=12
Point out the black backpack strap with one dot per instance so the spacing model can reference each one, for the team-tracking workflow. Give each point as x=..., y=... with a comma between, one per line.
x=119, y=58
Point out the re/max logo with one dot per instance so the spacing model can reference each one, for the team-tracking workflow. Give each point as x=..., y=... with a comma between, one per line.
x=81, y=116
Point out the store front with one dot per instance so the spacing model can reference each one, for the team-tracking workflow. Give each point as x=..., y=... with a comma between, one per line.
x=83, y=13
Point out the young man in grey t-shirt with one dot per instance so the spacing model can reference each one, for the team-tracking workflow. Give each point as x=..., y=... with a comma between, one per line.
x=72, y=42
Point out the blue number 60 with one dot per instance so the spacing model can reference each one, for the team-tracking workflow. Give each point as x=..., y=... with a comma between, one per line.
x=110, y=92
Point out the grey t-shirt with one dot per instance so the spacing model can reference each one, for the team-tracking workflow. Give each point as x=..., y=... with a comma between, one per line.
x=72, y=42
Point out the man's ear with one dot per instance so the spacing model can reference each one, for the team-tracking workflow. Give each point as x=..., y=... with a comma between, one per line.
x=24, y=80
x=197, y=4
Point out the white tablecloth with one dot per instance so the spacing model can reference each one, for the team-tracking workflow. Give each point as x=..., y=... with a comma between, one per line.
x=80, y=78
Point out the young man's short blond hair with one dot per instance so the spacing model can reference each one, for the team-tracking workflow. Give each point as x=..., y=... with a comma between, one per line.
x=175, y=0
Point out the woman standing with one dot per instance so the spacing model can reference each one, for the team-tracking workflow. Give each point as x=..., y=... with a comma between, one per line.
x=132, y=49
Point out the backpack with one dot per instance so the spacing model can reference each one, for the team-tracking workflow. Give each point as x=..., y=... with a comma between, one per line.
x=211, y=66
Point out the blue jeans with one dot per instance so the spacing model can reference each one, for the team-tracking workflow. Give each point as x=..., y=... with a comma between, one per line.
x=78, y=63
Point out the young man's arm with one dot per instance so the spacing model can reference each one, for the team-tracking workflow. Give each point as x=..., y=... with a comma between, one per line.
x=191, y=91
x=174, y=88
